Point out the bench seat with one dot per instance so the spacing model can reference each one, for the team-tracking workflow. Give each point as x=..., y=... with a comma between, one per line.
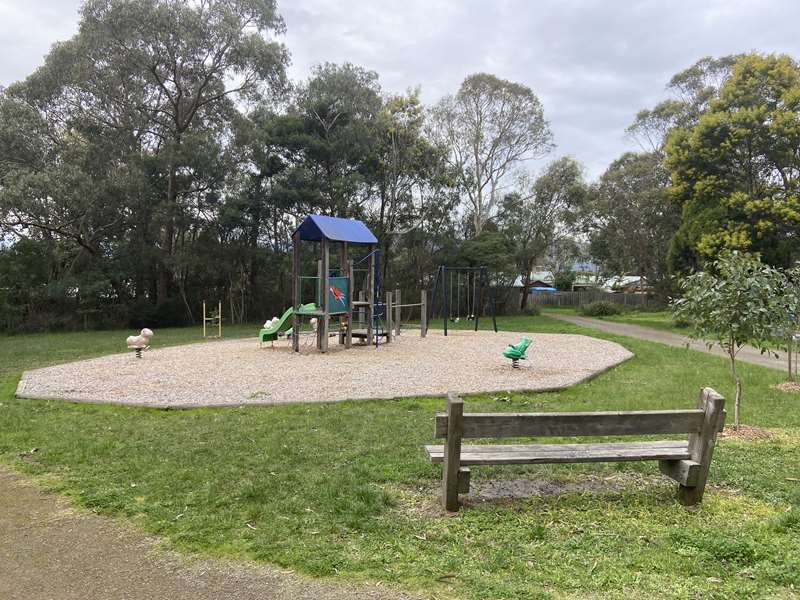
x=506, y=454
x=686, y=461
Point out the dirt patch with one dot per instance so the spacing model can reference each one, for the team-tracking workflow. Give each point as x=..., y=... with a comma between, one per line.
x=747, y=432
x=506, y=490
x=424, y=501
x=790, y=387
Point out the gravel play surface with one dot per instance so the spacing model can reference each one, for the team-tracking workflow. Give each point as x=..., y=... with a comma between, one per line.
x=235, y=372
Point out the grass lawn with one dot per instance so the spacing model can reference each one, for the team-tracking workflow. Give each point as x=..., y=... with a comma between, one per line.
x=661, y=319
x=344, y=490
x=21, y=352
x=657, y=320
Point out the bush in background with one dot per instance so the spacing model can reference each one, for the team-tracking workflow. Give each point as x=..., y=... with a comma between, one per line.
x=600, y=308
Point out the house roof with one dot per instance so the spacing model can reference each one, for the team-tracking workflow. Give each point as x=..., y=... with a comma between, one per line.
x=317, y=227
x=536, y=277
x=620, y=281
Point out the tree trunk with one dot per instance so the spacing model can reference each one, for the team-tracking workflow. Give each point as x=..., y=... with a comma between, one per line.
x=165, y=268
x=526, y=285
x=738, y=400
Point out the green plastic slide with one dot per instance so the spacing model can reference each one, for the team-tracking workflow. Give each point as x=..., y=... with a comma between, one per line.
x=270, y=334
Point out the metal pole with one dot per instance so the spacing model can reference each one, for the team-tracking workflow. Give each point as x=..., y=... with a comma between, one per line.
x=446, y=311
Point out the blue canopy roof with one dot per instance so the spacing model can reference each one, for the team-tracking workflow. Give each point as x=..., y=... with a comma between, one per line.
x=316, y=227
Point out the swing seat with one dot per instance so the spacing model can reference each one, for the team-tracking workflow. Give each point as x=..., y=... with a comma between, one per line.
x=517, y=351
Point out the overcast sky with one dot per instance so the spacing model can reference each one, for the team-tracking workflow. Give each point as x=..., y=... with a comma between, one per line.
x=592, y=63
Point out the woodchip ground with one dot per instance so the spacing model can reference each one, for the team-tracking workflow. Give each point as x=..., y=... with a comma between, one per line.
x=238, y=372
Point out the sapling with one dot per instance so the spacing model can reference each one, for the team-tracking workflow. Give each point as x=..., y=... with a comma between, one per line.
x=737, y=301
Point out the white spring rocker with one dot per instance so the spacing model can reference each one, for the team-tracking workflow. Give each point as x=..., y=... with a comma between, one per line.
x=140, y=342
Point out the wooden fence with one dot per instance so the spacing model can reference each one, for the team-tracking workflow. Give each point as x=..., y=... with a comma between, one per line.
x=581, y=297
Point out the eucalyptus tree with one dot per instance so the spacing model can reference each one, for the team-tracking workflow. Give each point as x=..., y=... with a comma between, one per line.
x=405, y=163
x=490, y=127
x=542, y=214
x=152, y=81
x=630, y=217
x=691, y=92
x=333, y=123
x=739, y=301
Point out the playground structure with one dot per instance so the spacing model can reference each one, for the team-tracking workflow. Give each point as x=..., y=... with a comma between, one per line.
x=474, y=282
x=350, y=293
x=273, y=328
x=400, y=323
x=214, y=320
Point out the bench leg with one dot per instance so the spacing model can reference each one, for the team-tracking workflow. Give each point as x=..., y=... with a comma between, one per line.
x=452, y=453
x=701, y=446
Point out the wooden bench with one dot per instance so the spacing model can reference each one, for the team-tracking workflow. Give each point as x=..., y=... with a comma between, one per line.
x=685, y=461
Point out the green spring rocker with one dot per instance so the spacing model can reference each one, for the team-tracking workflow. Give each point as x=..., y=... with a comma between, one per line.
x=516, y=352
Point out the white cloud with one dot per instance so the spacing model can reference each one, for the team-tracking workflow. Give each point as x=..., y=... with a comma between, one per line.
x=593, y=63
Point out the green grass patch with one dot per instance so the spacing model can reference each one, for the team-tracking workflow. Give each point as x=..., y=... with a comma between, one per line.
x=656, y=320
x=344, y=489
x=32, y=350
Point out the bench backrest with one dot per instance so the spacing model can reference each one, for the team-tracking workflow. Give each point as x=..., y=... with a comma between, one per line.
x=569, y=424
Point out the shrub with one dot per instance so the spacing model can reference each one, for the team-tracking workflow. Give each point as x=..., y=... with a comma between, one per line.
x=681, y=322
x=601, y=308
x=532, y=311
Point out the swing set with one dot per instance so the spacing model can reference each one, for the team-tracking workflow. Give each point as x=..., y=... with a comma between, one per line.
x=469, y=284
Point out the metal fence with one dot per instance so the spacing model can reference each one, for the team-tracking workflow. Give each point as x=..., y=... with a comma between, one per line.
x=581, y=297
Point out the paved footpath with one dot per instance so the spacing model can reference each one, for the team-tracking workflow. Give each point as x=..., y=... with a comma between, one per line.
x=747, y=354
x=49, y=551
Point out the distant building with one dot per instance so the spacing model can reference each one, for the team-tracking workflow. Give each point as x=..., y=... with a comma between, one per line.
x=542, y=279
x=629, y=284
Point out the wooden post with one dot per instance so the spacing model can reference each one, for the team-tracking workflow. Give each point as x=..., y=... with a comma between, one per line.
x=348, y=339
x=475, y=279
x=388, y=311
x=423, y=314
x=371, y=294
x=204, y=319
x=493, y=298
x=361, y=311
x=701, y=444
x=219, y=320
x=325, y=284
x=318, y=300
x=452, y=452
x=296, y=291
x=397, y=312
x=344, y=265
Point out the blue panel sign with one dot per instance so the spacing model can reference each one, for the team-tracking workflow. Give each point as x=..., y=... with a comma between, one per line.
x=338, y=295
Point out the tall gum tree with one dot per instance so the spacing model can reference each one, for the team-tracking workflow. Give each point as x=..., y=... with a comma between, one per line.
x=154, y=70
x=490, y=126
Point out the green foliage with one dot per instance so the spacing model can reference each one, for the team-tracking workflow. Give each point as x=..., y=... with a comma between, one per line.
x=729, y=170
x=739, y=303
x=543, y=217
x=692, y=90
x=600, y=308
x=563, y=280
x=631, y=219
x=489, y=127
